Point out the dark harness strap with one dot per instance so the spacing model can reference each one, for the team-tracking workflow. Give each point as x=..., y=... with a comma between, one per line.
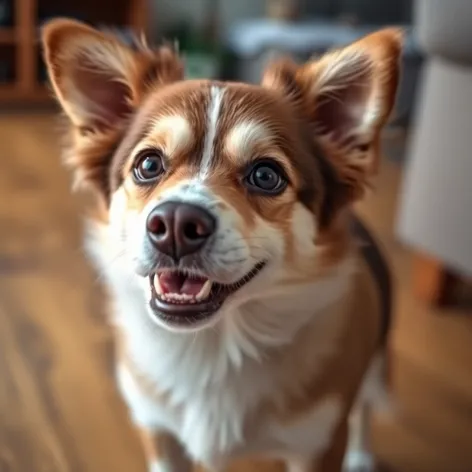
x=380, y=269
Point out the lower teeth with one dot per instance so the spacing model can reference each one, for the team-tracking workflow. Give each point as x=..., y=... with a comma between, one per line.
x=178, y=298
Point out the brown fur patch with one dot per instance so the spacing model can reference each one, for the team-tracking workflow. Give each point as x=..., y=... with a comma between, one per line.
x=183, y=99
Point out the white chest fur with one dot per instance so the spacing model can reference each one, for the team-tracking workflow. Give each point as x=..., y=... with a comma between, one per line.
x=207, y=398
x=211, y=425
x=211, y=428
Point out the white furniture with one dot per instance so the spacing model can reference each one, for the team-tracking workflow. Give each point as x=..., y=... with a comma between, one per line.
x=435, y=212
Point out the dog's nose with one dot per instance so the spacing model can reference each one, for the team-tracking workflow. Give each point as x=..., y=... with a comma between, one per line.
x=178, y=229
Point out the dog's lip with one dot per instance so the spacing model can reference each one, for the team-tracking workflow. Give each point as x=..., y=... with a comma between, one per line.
x=187, y=314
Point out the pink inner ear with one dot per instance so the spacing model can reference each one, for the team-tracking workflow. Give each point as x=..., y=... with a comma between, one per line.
x=104, y=99
x=341, y=109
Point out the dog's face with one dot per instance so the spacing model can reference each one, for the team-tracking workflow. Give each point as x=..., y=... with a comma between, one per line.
x=219, y=193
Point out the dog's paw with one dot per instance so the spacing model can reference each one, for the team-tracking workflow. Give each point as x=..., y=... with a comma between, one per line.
x=359, y=461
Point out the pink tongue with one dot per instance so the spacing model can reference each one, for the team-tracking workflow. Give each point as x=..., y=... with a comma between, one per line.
x=175, y=282
x=192, y=286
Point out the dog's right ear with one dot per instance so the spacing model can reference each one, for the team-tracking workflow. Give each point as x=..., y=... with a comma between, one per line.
x=97, y=78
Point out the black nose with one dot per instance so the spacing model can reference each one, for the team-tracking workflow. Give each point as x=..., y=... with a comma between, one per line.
x=178, y=229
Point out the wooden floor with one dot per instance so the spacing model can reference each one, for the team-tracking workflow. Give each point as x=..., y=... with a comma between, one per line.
x=59, y=411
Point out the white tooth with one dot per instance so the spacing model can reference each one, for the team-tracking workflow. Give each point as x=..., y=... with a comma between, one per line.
x=205, y=290
x=157, y=285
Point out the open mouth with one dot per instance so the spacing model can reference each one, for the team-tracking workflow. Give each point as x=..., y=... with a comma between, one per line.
x=181, y=298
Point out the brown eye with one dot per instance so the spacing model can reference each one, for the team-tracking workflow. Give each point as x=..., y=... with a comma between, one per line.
x=148, y=167
x=266, y=177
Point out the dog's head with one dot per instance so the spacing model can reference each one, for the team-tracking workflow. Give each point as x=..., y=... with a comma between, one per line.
x=219, y=193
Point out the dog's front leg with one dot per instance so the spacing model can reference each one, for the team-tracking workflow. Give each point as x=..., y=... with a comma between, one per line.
x=164, y=453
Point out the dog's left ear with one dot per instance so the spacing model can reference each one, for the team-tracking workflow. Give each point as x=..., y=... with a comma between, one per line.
x=99, y=79
x=346, y=96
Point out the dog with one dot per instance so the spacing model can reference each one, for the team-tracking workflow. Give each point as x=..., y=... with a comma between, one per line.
x=248, y=322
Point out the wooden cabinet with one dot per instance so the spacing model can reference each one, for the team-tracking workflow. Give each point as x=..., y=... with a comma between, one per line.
x=22, y=74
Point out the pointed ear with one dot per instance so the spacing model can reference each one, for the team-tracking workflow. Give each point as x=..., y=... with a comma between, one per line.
x=347, y=97
x=97, y=78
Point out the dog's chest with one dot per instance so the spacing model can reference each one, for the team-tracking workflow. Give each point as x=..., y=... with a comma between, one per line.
x=219, y=420
x=211, y=423
x=214, y=427
x=193, y=391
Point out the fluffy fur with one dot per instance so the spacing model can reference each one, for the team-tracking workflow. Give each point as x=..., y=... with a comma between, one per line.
x=275, y=371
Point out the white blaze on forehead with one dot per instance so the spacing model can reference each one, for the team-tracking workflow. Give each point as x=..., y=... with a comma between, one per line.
x=243, y=138
x=175, y=130
x=213, y=114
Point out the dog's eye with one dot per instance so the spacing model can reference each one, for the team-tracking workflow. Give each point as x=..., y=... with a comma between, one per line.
x=148, y=166
x=266, y=177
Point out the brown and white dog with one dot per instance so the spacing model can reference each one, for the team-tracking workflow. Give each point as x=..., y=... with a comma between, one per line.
x=246, y=315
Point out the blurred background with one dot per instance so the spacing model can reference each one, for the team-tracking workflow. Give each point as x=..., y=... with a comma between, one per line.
x=59, y=411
